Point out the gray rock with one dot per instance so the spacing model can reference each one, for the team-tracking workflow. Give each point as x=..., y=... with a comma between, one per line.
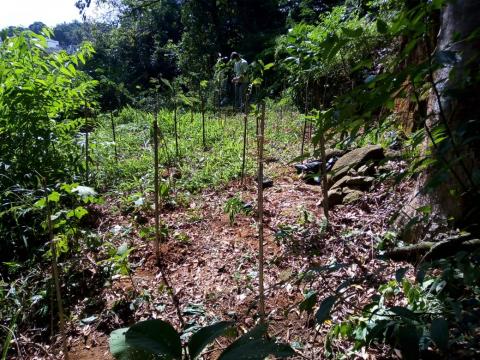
x=366, y=170
x=329, y=153
x=351, y=196
x=335, y=197
x=356, y=182
x=354, y=159
x=360, y=182
x=341, y=182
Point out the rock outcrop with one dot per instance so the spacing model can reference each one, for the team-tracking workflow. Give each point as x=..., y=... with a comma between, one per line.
x=354, y=160
x=350, y=176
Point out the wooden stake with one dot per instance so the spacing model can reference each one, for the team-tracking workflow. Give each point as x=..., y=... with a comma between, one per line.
x=87, y=167
x=244, y=155
x=56, y=277
x=305, y=122
x=114, y=136
x=324, y=170
x=203, y=123
x=260, y=216
x=155, y=179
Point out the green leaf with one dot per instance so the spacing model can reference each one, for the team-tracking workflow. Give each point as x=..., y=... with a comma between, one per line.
x=40, y=203
x=268, y=66
x=439, y=333
x=167, y=83
x=54, y=197
x=156, y=337
x=121, y=350
x=205, y=336
x=253, y=346
x=122, y=249
x=352, y=33
x=326, y=306
x=80, y=212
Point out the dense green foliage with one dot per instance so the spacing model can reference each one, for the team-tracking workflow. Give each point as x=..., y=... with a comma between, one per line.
x=40, y=99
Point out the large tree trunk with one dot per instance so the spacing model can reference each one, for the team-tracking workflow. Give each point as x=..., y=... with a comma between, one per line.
x=450, y=188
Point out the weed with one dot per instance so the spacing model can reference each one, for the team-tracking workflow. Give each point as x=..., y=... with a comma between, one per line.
x=234, y=206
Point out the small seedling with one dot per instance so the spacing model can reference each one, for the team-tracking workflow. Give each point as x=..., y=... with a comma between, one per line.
x=234, y=206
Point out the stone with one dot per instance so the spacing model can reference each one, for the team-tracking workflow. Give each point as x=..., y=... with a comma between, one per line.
x=354, y=159
x=366, y=170
x=330, y=153
x=356, y=182
x=335, y=197
x=360, y=182
x=341, y=182
x=351, y=196
x=393, y=154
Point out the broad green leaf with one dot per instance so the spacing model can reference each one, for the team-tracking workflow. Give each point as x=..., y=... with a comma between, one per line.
x=439, y=333
x=54, y=197
x=122, y=249
x=80, y=212
x=120, y=350
x=326, y=306
x=205, y=336
x=268, y=66
x=156, y=337
x=253, y=346
x=167, y=83
x=40, y=203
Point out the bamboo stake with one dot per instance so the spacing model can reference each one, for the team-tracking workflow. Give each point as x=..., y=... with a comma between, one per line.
x=324, y=170
x=244, y=155
x=260, y=216
x=305, y=122
x=114, y=136
x=158, y=237
x=155, y=161
x=203, y=123
x=176, y=130
x=56, y=277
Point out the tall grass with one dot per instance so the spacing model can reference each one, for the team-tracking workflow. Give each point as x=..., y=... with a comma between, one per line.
x=195, y=168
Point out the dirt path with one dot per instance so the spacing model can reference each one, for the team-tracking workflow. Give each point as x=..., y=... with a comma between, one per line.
x=212, y=265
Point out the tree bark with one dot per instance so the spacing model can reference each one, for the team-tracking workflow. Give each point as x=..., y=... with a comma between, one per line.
x=454, y=106
x=428, y=250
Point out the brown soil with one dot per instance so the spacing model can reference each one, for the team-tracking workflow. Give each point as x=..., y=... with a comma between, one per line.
x=212, y=265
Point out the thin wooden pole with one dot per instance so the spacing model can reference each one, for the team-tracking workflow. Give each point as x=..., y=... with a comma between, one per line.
x=235, y=99
x=260, y=216
x=114, y=136
x=244, y=155
x=305, y=122
x=157, y=210
x=203, y=123
x=56, y=277
x=324, y=167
